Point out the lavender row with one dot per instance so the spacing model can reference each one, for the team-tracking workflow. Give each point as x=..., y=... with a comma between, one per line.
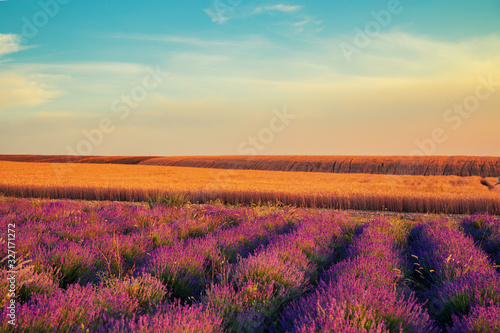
x=48, y=222
x=456, y=277
x=263, y=283
x=364, y=293
x=485, y=230
x=187, y=268
x=113, y=308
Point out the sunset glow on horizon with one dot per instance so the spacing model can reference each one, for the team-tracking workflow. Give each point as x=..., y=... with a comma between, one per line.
x=250, y=77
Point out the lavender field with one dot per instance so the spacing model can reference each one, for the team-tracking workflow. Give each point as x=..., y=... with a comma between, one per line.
x=127, y=267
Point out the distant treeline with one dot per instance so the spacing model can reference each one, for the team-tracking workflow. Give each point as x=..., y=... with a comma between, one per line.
x=390, y=165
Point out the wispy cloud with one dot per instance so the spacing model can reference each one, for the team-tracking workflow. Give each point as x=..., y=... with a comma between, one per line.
x=10, y=43
x=279, y=8
x=404, y=54
x=305, y=22
x=218, y=16
x=222, y=14
x=23, y=90
x=38, y=84
x=19, y=89
x=251, y=41
x=84, y=67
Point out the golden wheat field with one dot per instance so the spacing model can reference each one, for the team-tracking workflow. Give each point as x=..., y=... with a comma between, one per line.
x=437, y=194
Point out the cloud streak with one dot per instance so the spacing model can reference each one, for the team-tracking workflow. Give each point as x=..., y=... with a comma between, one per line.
x=218, y=16
x=21, y=90
x=279, y=8
x=245, y=42
x=221, y=13
x=10, y=43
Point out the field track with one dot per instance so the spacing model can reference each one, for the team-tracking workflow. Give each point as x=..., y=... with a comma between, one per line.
x=464, y=166
x=422, y=194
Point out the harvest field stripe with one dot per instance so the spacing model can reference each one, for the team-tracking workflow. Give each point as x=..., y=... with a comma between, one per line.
x=389, y=165
x=464, y=166
x=423, y=194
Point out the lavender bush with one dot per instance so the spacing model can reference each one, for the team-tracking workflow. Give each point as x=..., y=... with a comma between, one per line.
x=480, y=319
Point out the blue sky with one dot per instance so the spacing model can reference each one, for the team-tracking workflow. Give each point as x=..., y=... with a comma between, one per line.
x=226, y=69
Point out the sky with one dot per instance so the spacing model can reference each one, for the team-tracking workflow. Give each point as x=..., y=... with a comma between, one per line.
x=231, y=77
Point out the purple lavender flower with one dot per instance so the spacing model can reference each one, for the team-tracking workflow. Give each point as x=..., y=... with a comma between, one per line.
x=458, y=296
x=455, y=275
x=441, y=254
x=274, y=275
x=62, y=311
x=145, y=288
x=485, y=229
x=184, y=267
x=173, y=318
x=362, y=293
x=75, y=262
x=480, y=319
